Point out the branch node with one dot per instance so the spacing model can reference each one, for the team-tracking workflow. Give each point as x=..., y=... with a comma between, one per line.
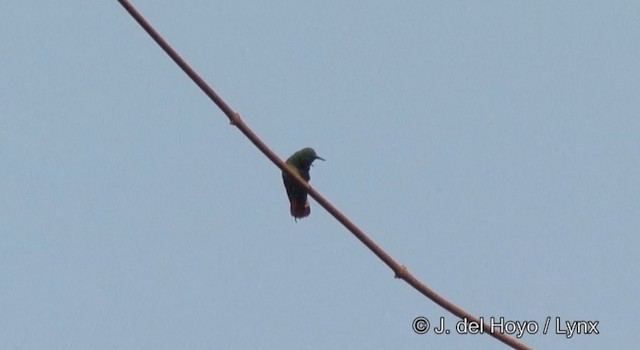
x=235, y=120
x=402, y=272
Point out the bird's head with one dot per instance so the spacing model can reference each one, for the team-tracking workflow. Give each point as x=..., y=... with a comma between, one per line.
x=309, y=155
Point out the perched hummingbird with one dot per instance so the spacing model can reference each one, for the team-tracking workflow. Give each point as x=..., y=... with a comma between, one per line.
x=300, y=162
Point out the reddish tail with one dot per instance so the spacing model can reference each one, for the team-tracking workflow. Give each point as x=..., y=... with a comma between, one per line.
x=300, y=210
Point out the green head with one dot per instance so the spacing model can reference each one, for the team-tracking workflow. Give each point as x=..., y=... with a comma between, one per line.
x=303, y=158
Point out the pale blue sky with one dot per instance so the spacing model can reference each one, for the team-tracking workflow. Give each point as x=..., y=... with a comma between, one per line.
x=491, y=147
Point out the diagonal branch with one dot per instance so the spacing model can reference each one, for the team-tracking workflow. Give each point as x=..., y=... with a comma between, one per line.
x=234, y=118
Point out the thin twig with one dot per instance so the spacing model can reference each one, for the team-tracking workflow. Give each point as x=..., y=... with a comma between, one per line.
x=399, y=270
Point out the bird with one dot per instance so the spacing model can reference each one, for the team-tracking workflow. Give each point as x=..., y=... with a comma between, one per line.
x=299, y=162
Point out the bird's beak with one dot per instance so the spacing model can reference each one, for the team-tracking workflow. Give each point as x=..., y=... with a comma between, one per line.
x=322, y=159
